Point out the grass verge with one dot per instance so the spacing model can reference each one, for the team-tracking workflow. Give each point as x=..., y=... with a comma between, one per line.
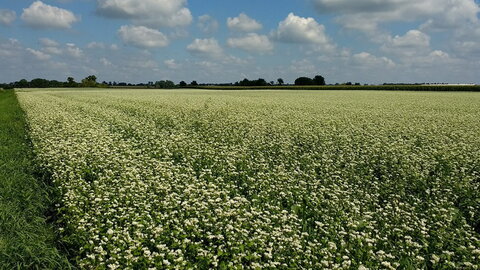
x=27, y=241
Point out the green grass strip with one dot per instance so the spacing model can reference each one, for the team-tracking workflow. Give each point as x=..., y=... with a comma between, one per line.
x=27, y=241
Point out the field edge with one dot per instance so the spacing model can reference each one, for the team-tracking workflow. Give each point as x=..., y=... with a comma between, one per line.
x=27, y=237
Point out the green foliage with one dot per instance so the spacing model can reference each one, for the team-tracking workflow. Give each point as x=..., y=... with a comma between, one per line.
x=317, y=80
x=263, y=179
x=26, y=240
x=182, y=84
x=432, y=88
x=71, y=82
x=164, y=84
x=89, y=81
x=303, y=81
x=247, y=82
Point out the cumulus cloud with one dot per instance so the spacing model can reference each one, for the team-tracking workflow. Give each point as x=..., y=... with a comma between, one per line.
x=7, y=16
x=413, y=43
x=368, y=60
x=251, y=42
x=302, y=67
x=52, y=50
x=207, y=24
x=105, y=62
x=243, y=23
x=142, y=37
x=467, y=48
x=295, y=29
x=38, y=54
x=40, y=15
x=96, y=45
x=73, y=50
x=153, y=13
x=206, y=47
x=171, y=64
x=367, y=15
x=46, y=42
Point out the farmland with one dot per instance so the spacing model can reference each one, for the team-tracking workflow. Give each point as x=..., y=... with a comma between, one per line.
x=262, y=179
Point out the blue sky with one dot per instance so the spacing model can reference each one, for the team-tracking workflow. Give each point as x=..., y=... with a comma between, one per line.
x=366, y=41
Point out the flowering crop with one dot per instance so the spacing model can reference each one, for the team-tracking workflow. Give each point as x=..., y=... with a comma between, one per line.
x=263, y=179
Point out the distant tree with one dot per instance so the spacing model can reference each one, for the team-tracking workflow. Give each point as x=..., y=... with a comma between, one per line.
x=164, y=84
x=182, y=84
x=303, y=81
x=8, y=86
x=71, y=82
x=318, y=80
x=89, y=81
x=22, y=84
x=169, y=84
x=39, y=83
x=160, y=84
x=194, y=83
x=55, y=83
x=261, y=82
x=247, y=82
x=280, y=81
x=348, y=83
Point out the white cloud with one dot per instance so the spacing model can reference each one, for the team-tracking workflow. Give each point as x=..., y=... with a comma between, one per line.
x=105, y=62
x=467, y=48
x=74, y=51
x=367, y=15
x=50, y=46
x=297, y=29
x=40, y=15
x=142, y=37
x=7, y=16
x=153, y=13
x=412, y=38
x=206, y=47
x=171, y=64
x=96, y=45
x=251, y=42
x=38, y=54
x=207, y=24
x=52, y=50
x=48, y=42
x=243, y=23
x=367, y=60
x=303, y=67
x=413, y=43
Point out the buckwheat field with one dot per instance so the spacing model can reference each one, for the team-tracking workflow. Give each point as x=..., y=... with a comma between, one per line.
x=199, y=179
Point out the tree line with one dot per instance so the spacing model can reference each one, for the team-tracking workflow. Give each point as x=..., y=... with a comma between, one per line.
x=91, y=81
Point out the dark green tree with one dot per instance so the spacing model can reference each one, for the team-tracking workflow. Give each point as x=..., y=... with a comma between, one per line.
x=318, y=80
x=39, y=83
x=22, y=84
x=90, y=81
x=280, y=81
x=169, y=84
x=303, y=81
